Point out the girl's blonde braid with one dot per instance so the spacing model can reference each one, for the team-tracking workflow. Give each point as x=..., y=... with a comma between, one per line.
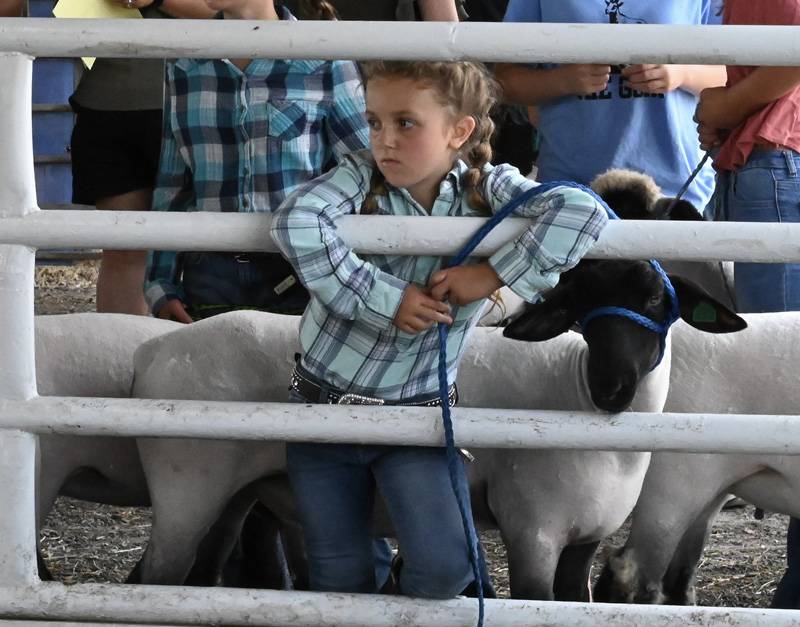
x=319, y=10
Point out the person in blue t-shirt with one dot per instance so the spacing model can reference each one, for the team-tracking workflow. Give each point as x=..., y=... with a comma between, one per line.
x=594, y=116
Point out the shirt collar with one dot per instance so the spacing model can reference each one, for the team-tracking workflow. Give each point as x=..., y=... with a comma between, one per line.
x=453, y=177
x=451, y=183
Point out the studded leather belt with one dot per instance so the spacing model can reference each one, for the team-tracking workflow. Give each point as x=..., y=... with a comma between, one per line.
x=314, y=392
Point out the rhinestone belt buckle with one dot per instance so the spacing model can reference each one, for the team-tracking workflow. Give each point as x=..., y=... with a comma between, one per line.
x=358, y=399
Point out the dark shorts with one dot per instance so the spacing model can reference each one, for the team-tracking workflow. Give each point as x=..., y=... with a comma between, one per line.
x=113, y=152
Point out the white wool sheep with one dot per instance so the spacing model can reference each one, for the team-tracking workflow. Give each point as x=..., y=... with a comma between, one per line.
x=752, y=372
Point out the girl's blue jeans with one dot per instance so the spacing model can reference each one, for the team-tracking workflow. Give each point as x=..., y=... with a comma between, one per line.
x=765, y=189
x=334, y=487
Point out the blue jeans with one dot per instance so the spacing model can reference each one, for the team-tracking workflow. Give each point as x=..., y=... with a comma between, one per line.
x=765, y=189
x=334, y=487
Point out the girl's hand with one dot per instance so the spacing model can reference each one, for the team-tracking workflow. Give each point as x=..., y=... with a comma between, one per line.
x=175, y=310
x=716, y=109
x=418, y=311
x=654, y=79
x=582, y=79
x=465, y=284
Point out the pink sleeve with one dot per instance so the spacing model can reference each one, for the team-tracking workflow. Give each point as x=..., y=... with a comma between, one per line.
x=764, y=12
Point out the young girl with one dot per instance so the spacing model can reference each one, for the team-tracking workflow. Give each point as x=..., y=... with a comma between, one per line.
x=240, y=135
x=754, y=123
x=368, y=334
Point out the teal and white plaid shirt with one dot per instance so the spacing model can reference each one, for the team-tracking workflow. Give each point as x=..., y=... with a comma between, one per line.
x=347, y=334
x=243, y=140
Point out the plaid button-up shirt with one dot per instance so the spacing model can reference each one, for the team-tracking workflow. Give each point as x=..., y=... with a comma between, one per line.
x=243, y=140
x=347, y=333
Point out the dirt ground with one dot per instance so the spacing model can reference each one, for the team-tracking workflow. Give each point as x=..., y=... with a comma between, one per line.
x=85, y=542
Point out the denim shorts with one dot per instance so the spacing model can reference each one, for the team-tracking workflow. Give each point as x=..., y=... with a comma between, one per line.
x=765, y=189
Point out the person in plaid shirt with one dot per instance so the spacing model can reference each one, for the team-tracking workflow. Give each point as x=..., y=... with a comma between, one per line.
x=240, y=135
x=369, y=333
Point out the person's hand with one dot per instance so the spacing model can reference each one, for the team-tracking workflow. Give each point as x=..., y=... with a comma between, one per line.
x=418, y=311
x=711, y=137
x=175, y=310
x=465, y=284
x=717, y=110
x=582, y=79
x=654, y=79
x=134, y=4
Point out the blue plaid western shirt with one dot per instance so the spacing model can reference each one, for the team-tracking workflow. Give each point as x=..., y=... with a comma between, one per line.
x=243, y=140
x=347, y=334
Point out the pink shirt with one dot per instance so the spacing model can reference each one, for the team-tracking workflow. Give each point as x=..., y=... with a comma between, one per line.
x=777, y=122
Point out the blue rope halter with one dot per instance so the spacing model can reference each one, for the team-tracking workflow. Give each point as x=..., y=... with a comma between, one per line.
x=456, y=469
x=661, y=328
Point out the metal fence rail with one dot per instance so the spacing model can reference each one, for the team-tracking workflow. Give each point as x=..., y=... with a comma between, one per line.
x=523, y=43
x=23, y=227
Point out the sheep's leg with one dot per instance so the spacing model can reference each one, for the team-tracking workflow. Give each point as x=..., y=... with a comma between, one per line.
x=50, y=477
x=263, y=561
x=532, y=562
x=573, y=572
x=660, y=521
x=533, y=544
x=176, y=534
x=275, y=495
x=678, y=585
x=190, y=482
x=216, y=548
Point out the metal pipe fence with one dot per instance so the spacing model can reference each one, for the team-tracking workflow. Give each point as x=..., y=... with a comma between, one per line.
x=23, y=227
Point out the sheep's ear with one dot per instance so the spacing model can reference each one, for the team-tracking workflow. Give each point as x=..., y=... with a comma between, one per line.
x=703, y=312
x=683, y=211
x=541, y=321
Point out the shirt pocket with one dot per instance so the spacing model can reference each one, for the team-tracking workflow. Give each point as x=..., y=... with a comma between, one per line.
x=288, y=120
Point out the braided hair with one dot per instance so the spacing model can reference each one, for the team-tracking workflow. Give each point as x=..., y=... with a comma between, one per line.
x=318, y=10
x=467, y=89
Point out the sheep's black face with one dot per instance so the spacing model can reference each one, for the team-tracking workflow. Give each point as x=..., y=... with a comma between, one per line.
x=621, y=351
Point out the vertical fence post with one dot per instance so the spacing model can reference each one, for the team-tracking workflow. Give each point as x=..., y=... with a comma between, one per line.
x=17, y=364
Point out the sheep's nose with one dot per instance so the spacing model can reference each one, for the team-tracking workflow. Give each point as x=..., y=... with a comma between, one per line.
x=609, y=390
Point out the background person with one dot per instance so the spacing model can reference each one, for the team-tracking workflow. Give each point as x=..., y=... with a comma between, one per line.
x=241, y=135
x=115, y=147
x=593, y=119
x=753, y=125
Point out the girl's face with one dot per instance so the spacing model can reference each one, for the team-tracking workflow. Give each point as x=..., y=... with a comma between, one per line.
x=414, y=137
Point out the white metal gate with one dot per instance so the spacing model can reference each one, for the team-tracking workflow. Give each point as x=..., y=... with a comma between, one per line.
x=23, y=227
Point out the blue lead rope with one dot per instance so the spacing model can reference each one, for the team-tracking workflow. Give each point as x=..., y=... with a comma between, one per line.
x=456, y=468
x=457, y=475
